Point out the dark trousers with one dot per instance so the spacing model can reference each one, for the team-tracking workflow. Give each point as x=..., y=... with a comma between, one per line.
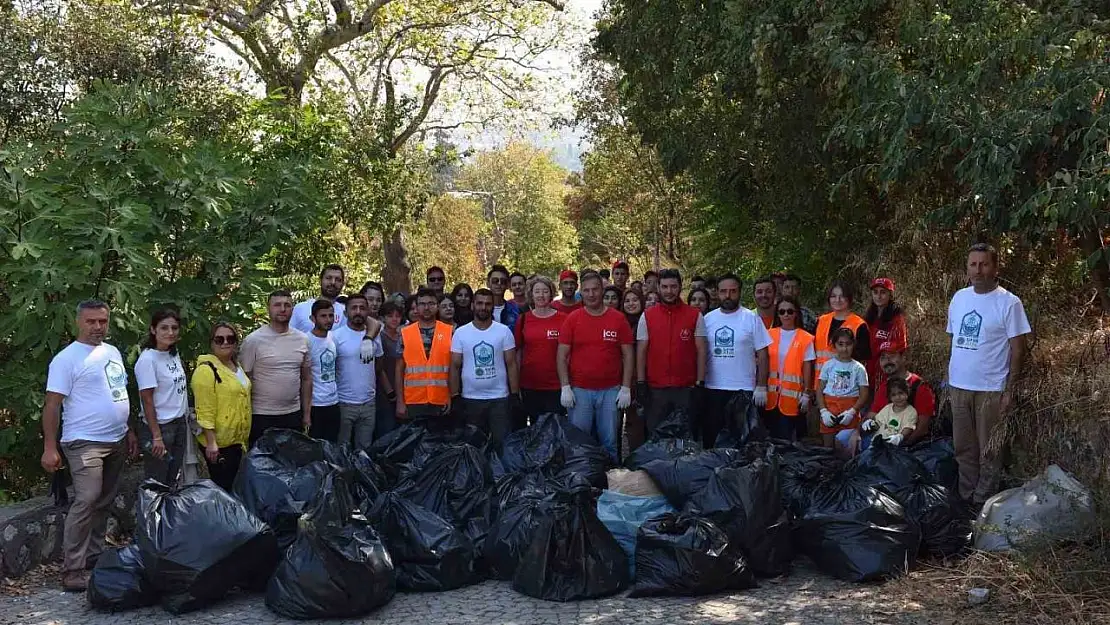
x=175, y=435
x=492, y=416
x=725, y=409
x=262, y=422
x=782, y=426
x=664, y=401
x=537, y=403
x=386, y=420
x=325, y=423
x=226, y=467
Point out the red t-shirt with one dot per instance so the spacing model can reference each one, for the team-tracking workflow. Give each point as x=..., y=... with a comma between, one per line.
x=595, y=347
x=563, y=308
x=536, y=346
x=924, y=401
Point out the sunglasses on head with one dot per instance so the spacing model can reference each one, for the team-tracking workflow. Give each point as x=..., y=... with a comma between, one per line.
x=787, y=311
x=223, y=339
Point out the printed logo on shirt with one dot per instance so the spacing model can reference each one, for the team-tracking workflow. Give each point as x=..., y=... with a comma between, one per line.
x=970, y=325
x=483, y=361
x=327, y=366
x=841, y=382
x=685, y=334
x=117, y=380
x=724, y=342
x=553, y=334
x=609, y=336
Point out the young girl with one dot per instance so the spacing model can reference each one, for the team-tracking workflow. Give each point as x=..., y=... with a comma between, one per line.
x=895, y=421
x=844, y=392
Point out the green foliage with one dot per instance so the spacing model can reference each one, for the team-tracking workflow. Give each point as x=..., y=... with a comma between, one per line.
x=449, y=234
x=125, y=203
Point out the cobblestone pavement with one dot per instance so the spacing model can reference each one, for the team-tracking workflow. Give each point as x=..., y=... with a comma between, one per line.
x=805, y=597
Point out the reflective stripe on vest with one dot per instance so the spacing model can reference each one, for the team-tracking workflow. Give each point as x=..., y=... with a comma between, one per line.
x=825, y=351
x=785, y=388
x=426, y=373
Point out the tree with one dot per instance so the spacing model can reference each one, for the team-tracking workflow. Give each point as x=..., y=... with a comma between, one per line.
x=398, y=60
x=449, y=235
x=522, y=188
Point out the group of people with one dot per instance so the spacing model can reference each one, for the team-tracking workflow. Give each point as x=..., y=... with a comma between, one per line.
x=610, y=354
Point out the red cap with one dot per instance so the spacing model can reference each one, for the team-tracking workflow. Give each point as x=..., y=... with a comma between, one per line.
x=568, y=274
x=885, y=283
x=895, y=346
x=619, y=263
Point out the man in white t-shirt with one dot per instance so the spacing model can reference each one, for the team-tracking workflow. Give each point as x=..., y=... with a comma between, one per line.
x=737, y=367
x=988, y=327
x=86, y=394
x=483, y=360
x=332, y=279
x=325, y=395
x=358, y=348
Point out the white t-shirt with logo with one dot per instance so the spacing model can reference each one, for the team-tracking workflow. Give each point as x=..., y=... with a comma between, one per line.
x=733, y=338
x=843, y=379
x=325, y=392
x=94, y=382
x=981, y=326
x=163, y=372
x=786, y=337
x=483, y=368
x=302, y=316
x=355, y=380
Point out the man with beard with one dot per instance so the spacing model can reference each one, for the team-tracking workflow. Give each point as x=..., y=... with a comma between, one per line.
x=620, y=275
x=424, y=363
x=357, y=348
x=568, y=286
x=325, y=397
x=517, y=306
x=738, y=363
x=497, y=280
x=483, y=370
x=670, y=353
x=892, y=359
x=765, y=300
x=86, y=390
x=332, y=279
x=594, y=364
x=278, y=360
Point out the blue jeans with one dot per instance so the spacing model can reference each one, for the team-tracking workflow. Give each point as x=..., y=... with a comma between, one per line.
x=596, y=412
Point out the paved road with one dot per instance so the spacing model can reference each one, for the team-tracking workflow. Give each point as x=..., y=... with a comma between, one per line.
x=804, y=598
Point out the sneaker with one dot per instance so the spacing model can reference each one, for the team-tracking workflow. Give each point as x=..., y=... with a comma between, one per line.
x=75, y=581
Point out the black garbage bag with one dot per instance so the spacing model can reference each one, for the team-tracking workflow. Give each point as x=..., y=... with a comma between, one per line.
x=944, y=520
x=198, y=543
x=685, y=555
x=661, y=449
x=939, y=459
x=745, y=500
x=886, y=465
x=680, y=478
x=571, y=555
x=801, y=469
x=557, y=447
x=399, y=446
x=857, y=532
x=509, y=489
x=739, y=431
x=369, y=478
x=511, y=534
x=452, y=481
x=337, y=567
x=675, y=425
x=428, y=553
x=276, y=484
x=118, y=582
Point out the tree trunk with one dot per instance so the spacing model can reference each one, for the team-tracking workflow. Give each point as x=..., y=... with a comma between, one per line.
x=395, y=273
x=1091, y=242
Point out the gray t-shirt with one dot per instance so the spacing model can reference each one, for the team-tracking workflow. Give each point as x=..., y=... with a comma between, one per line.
x=273, y=361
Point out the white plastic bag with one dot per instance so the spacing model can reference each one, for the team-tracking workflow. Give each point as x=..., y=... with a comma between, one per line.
x=1051, y=506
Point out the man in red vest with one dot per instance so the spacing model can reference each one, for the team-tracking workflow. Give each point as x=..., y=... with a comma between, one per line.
x=671, y=350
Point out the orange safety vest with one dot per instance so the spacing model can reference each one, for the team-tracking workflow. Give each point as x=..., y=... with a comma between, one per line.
x=785, y=388
x=426, y=374
x=824, y=350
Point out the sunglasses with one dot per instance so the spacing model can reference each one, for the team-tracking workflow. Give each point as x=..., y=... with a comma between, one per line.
x=436, y=279
x=787, y=312
x=222, y=339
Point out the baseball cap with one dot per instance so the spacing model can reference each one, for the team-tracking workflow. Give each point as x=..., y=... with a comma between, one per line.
x=885, y=283
x=568, y=274
x=620, y=263
x=892, y=347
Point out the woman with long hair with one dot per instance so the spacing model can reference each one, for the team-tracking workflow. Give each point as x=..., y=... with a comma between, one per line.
x=164, y=430
x=699, y=298
x=651, y=298
x=611, y=297
x=463, y=296
x=537, y=341
x=840, y=297
x=632, y=305
x=222, y=393
x=445, y=310
x=887, y=323
x=791, y=357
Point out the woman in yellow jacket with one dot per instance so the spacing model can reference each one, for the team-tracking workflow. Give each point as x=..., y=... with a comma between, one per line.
x=222, y=396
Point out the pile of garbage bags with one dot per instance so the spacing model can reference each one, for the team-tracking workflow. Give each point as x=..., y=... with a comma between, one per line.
x=330, y=533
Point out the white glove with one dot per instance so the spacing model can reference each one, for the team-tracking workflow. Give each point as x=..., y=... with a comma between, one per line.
x=624, y=398
x=760, y=396
x=803, y=402
x=869, y=426
x=828, y=418
x=895, y=440
x=366, y=349
x=566, y=398
x=847, y=416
